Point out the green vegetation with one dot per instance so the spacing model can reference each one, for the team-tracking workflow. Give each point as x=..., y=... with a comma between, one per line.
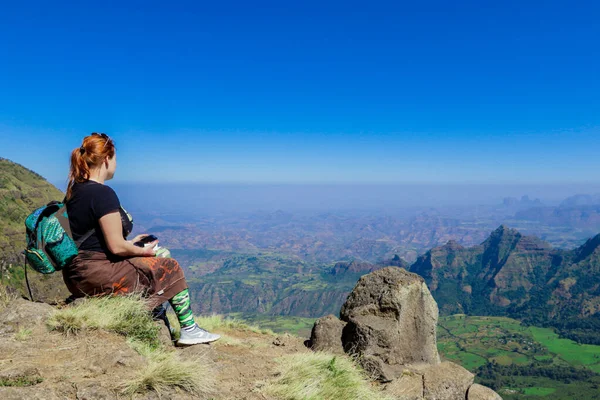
x=573, y=353
x=521, y=277
x=21, y=192
x=538, y=391
x=225, y=324
x=21, y=381
x=270, y=284
x=308, y=376
x=298, y=326
x=23, y=335
x=519, y=361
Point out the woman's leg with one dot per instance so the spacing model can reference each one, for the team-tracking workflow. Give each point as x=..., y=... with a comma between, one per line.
x=168, y=283
x=182, y=307
x=190, y=332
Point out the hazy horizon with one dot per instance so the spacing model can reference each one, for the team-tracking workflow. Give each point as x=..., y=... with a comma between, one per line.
x=228, y=197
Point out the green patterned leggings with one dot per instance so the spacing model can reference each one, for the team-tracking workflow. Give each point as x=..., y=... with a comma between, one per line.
x=181, y=305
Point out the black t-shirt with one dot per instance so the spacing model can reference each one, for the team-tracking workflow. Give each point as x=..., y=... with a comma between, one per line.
x=89, y=202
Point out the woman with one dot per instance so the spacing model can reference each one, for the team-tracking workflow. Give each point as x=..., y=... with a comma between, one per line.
x=107, y=263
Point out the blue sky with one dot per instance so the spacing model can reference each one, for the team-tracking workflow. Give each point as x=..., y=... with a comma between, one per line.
x=308, y=92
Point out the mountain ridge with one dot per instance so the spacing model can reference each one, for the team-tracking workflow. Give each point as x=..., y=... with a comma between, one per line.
x=519, y=276
x=21, y=191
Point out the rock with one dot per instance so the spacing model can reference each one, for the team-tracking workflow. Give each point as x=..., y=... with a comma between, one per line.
x=409, y=386
x=279, y=341
x=20, y=314
x=164, y=334
x=326, y=335
x=118, y=357
x=479, y=392
x=20, y=393
x=39, y=392
x=391, y=322
x=48, y=288
x=446, y=381
x=94, y=391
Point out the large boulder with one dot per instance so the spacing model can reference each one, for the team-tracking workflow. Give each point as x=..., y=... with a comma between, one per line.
x=446, y=381
x=479, y=392
x=409, y=386
x=326, y=335
x=22, y=314
x=391, y=322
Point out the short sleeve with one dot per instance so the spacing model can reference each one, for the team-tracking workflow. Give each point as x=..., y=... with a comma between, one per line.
x=105, y=201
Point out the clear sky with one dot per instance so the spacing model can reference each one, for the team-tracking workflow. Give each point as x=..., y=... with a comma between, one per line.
x=419, y=91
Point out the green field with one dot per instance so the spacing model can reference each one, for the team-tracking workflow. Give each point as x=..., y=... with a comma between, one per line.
x=574, y=353
x=521, y=362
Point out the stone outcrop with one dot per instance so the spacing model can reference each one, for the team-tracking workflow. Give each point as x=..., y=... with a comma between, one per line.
x=391, y=322
x=446, y=381
x=409, y=386
x=326, y=335
x=391, y=325
x=22, y=314
x=479, y=392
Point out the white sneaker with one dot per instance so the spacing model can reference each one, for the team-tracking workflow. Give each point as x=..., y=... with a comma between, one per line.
x=196, y=336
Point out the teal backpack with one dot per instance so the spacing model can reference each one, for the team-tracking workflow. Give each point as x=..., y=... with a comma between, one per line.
x=50, y=244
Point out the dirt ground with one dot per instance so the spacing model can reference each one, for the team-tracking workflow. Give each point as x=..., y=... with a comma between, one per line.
x=94, y=364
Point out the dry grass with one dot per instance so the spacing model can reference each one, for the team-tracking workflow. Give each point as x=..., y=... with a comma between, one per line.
x=312, y=376
x=128, y=316
x=125, y=315
x=165, y=369
x=6, y=297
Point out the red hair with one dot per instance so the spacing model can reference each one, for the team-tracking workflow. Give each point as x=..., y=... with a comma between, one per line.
x=92, y=153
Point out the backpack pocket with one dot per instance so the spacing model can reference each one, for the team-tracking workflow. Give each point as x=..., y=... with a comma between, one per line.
x=39, y=261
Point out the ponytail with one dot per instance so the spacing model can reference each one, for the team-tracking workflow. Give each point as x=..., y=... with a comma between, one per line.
x=95, y=148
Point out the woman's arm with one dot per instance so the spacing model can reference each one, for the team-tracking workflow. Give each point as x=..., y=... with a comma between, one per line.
x=113, y=234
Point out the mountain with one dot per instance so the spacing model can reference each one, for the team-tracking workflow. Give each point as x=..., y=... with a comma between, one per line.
x=276, y=285
x=581, y=211
x=21, y=191
x=581, y=200
x=519, y=276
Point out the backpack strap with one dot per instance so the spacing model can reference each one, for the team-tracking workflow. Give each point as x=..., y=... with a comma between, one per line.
x=64, y=222
x=85, y=237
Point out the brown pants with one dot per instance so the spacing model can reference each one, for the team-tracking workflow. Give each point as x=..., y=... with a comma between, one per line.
x=93, y=273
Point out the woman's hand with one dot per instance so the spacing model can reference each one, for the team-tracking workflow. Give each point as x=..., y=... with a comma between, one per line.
x=149, y=249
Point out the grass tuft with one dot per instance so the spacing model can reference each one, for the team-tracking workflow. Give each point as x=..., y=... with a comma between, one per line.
x=307, y=376
x=23, y=335
x=125, y=315
x=167, y=370
x=6, y=297
x=21, y=381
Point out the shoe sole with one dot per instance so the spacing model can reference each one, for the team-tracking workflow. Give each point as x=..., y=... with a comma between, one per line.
x=191, y=342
